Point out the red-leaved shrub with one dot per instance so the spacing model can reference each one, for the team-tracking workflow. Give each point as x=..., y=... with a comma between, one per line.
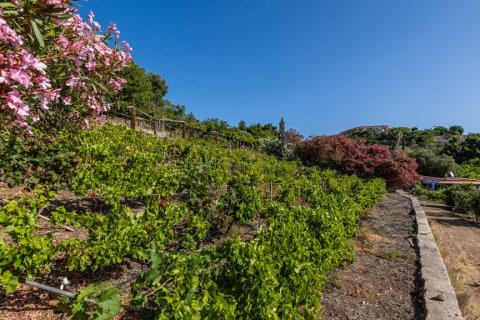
x=356, y=157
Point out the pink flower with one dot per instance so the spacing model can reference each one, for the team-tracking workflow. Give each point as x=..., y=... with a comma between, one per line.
x=42, y=82
x=57, y=3
x=8, y=36
x=73, y=81
x=126, y=47
x=62, y=42
x=117, y=84
x=91, y=65
x=91, y=16
x=112, y=27
x=20, y=77
x=13, y=98
x=67, y=101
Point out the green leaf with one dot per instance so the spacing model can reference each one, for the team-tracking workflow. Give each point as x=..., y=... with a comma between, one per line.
x=11, y=12
x=108, y=304
x=11, y=285
x=64, y=16
x=38, y=34
x=7, y=5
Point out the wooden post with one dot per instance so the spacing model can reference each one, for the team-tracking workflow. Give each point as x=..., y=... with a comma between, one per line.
x=184, y=130
x=216, y=137
x=155, y=129
x=271, y=190
x=133, y=115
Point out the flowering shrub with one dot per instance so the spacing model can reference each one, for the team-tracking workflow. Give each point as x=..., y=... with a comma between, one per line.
x=55, y=65
x=293, y=136
x=356, y=157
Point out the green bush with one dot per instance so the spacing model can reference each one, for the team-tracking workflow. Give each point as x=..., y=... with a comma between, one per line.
x=466, y=202
x=33, y=160
x=432, y=164
x=438, y=196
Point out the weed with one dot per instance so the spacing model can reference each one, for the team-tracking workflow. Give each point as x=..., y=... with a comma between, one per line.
x=334, y=282
x=397, y=256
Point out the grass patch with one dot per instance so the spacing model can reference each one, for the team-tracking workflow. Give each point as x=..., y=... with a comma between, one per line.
x=371, y=237
x=334, y=281
x=396, y=256
x=408, y=229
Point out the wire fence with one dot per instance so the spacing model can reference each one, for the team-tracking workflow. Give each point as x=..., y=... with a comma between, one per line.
x=163, y=128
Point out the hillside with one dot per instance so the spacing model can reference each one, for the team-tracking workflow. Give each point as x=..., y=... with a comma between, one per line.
x=438, y=150
x=218, y=230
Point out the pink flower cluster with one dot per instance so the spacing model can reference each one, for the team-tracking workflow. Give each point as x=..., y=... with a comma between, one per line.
x=84, y=67
x=93, y=60
x=21, y=74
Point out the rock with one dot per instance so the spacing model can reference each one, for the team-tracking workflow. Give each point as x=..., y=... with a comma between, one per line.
x=438, y=297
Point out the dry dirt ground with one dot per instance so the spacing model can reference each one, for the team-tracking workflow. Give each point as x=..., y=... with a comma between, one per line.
x=382, y=283
x=458, y=239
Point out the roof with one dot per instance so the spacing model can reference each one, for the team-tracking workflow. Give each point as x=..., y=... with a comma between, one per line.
x=453, y=180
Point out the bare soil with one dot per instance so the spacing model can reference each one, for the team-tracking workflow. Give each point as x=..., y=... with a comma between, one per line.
x=383, y=282
x=458, y=239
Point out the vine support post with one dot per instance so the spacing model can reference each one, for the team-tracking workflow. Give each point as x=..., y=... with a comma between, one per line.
x=184, y=130
x=133, y=116
x=271, y=190
x=216, y=137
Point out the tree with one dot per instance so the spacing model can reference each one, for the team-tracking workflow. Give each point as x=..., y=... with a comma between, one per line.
x=470, y=169
x=216, y=124
x=465, y=150
x=242, y=125
x=266, y=131
x=138, y=90
x=281, y=129
x=159, y=88
x=456, y=130
x=175, y=111
x=432, y=164
x=440, y=130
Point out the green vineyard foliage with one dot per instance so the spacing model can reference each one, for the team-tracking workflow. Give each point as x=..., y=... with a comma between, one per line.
x=226, y=233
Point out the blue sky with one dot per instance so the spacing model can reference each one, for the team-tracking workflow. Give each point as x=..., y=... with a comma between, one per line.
x=324, y=65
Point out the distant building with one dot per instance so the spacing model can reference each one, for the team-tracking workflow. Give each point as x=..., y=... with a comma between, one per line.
x=380, y=128
x=435, y=183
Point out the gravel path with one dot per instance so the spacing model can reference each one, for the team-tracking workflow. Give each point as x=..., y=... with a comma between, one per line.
x=382, y=282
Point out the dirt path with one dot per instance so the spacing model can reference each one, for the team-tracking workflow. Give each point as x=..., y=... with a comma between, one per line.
x=381, y=283
x=458, y=240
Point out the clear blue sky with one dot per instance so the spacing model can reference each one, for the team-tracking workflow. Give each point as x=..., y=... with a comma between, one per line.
x=324, y=65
